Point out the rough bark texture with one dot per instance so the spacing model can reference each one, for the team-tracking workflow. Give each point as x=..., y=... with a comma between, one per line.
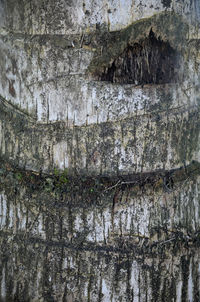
x=99, y=151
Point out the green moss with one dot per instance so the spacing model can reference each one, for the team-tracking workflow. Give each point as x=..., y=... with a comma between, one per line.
x=60, y=177
x=63, y=179
x=19, y=176
x=56, y=172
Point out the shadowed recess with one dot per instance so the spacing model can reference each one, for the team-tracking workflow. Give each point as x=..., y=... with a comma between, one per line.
x=151, y=61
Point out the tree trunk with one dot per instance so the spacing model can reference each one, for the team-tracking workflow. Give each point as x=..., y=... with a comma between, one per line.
x=99, y=150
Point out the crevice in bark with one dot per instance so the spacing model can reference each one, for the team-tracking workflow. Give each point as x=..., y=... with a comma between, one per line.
x=60, y=181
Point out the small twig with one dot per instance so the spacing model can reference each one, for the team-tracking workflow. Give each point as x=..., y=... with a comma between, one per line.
x=82, y=40
x=110, y=188
x=167, y=241
x=31, y=226
x=128, y=182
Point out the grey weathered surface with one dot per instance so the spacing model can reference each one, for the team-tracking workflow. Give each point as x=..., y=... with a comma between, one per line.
x=66, y=239
x=84, y=241
x=164, y=139
x=99, y=180
x=99, y=213
x=64, y=274
x=106, y=128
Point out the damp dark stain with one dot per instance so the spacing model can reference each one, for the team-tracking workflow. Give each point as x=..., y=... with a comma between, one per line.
x=11, y=88
x=14, y=66
x=185, y=263
x=166, y=3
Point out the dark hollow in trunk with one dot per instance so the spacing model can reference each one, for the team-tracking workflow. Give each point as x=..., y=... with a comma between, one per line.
x=151, y=61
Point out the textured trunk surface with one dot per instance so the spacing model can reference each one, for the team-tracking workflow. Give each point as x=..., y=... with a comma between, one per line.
x=100, y=151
